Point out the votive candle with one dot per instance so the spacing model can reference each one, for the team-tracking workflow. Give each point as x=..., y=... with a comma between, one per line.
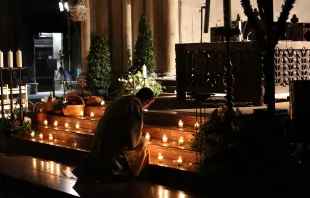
x=179, y=161
x=160, y=158
x=82, y=113
x=32, y=134
x=77, y=126
x=92, y=115
x=45, y=122
x=147, y=136
x=50, y=137
x=41, y=136
x=180, y=124
x=102, y=103
x=165, y=139
x=181, y=141
x=55, y=124
x=196, y=125
x=67, y=125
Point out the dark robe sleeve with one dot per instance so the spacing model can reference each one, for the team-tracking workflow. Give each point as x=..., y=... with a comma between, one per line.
x=133, y=124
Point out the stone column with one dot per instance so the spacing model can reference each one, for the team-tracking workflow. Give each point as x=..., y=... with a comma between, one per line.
x=85, y=39
x=149, y=13
x=137, y=10
x=169, y=36
x=127, y=33
x=102, y=17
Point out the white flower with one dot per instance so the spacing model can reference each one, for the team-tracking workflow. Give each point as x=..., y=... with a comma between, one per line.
x=130, y=80
x=138, y=87
x=27, y=119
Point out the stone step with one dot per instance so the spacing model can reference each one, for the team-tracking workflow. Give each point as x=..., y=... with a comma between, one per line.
x=155, y=117
x=83, y=140
x=75, y=147
x=172, y=133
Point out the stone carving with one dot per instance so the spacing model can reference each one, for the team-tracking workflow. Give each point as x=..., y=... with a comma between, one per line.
x=79, y=12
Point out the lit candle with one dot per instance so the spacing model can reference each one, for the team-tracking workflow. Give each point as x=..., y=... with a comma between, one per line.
x=41, y=136
x=19, y=58
x=144, y=71
x=45, y=122
x=10, y=59
x=1, y=58
x=160, y=158
x=102, y=103
x=77, y=126
x=82, y=113
x=179, y=161
x=50, y=137
x=181, y=141
x=180, y=123
x=147, y=136
x=165, y=139
x=196, y=125
x=32, y=134
x=92, y=115
x=55, y=123
x=67, y=125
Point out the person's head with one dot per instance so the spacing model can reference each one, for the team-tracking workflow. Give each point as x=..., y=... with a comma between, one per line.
x=146, y=97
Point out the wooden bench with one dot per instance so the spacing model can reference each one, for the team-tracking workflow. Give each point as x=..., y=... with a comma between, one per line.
x=47, y=180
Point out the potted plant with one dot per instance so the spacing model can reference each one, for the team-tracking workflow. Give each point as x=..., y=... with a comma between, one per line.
x=144, y=53
x=99, y=65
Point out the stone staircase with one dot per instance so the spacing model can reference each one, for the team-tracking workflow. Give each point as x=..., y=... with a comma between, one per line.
x=67, y=136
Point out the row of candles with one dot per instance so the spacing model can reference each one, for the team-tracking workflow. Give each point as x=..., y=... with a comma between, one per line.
x=181, y=124
x=19, y=61
x=165, y=139
x=161, y=159
x=77, y=126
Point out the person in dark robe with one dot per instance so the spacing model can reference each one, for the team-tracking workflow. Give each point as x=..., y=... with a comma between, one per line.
x=119, y=150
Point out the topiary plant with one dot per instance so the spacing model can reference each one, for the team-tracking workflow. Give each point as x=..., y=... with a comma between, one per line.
x=99, y=64
x=144, y=53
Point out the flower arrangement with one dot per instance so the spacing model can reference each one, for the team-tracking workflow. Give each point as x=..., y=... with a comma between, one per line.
x=134, y=82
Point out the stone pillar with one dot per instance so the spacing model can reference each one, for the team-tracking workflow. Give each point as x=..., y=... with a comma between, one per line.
x=127, y=33
x=137, y=10
x=85, y=39
x=158, y=33
x=149, y=13
x=169, y=36
x=102, y=17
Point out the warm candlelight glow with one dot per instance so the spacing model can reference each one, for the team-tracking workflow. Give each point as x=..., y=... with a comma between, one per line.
x=41, y=136
x=45, y=122
x=196, y=125
x=67, y=125
x=102, y=103
x=77, y=126
x=160, y=158
x=55, y=123
x=147, y=136
x=32, y=134
x=92, y=115
x=165, y=139
x=180, y=123
x=181, y=141
x=50, y=137
x=82, y=113
x=180, y=161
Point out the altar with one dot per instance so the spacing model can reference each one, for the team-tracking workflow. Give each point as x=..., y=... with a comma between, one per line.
x=200, y=68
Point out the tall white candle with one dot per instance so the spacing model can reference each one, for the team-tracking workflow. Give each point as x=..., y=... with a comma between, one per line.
x=19, y=59
x=1, y=58
x=10, y=59
x=240, y=28
x=144, y=71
